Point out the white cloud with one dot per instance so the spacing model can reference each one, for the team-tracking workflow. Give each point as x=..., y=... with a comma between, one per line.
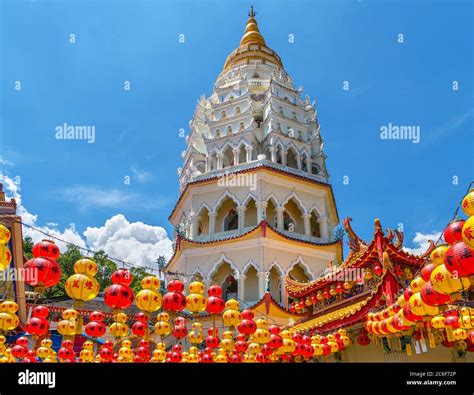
x=133, y=242
x=421, y=242
x=140, y=175
x=5, y=162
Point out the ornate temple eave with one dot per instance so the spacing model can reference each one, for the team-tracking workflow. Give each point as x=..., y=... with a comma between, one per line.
x=261, y=230
x=350, y=312
x=361, y=257
x=268, y=306
x=259, y=165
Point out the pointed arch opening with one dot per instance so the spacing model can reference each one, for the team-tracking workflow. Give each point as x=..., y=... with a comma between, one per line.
x=299, y=273
x=314, y=225
x=251, y=285
x=225, y=277
x=227, y=215
x=291, y=158
x=228, y=158
x=250, y=213
x=203, y=226
x=294, y=213
x=271, y=213
x=276, y=284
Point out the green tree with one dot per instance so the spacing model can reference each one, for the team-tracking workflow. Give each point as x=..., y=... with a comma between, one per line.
x=28, y=247
x=66, y=262
x=105, y=268
x=138, y=274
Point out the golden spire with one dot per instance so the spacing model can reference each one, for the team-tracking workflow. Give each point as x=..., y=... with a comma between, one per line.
x=252, y=34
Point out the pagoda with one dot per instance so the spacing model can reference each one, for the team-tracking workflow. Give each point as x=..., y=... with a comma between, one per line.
x=255, y=203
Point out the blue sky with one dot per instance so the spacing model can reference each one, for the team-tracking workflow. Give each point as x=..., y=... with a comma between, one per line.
x=81, y=83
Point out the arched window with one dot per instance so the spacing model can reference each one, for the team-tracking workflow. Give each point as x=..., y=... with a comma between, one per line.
x=229, y=130
x=231, y=221
x=281, y=111
x=315, y=169
x=237, y=110
x=223, y=115
x=218, y=133
x=241, y=127
x=291, y=158
x=314, y=224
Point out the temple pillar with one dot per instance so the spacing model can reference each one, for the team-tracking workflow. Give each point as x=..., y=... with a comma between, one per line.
x=323, y=227
x=241, y=286
x=280, y=224
x=248, y=151
x=241, y=216
x=261, y=209
x=307, y=224
x=236, y=152
x=261, y=284
x=212, y=224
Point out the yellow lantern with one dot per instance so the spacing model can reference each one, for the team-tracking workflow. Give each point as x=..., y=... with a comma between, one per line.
x=82, y=287
x=407, y=274
x=468, y=203
x=85, y=266
x=318, y=349
x=162, y=326
x=437, y=322
x=468, y=232
x=444, y=282
x=468, y=321
x=437, y=255
x=5, y=234
x=261, y=335
x=69, y=314
x=459, y=334
x=196, y=303
x=150, y=282
x=254, y=348
x=119, y=329
x=195, y=336
x=67, y=327
x=418, y=307
x=416, y=284
x=5, y=257
x=231, y=315
x=148, y=300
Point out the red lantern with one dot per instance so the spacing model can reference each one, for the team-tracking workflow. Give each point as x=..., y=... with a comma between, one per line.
x=118, y=296
x=174, y=301
x=65, y=353
x=95, y=329
x=275, y=341
x=426, y=271
x=453, y=232
x=339, y=288
x=292, y=307
x=139, y=329
x=363, y=338
x=97, y=316
x=106, y=354
x=459, y=260
x=212, y=340
x=37, y=326
x=180, y=331
x=247, y=327
x=407, y=294
x=235, y=358
x=326, y=294
x=215, y=305
x=22, y=341
x=19, y=351
x=40, y=312
x=42, y=272
x=46, y=249
x=378, y=270
x=398, y=270
x=175, y=286
x=431, y=297
x=409, y=315
x=215, y=290
x=240, y=346
x=122, y=277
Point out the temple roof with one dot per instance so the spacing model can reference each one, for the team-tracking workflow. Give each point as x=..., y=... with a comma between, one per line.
x=383, y=247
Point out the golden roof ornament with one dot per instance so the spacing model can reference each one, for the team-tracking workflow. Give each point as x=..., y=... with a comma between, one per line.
x=252, y=35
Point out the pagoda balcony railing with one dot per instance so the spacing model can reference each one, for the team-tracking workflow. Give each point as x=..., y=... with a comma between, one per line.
x=302, y=236
x=224, y=235
x=256, y=163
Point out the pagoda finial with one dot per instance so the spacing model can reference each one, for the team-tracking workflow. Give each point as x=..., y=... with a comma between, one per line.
x=252, y=13
x=252, y=34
